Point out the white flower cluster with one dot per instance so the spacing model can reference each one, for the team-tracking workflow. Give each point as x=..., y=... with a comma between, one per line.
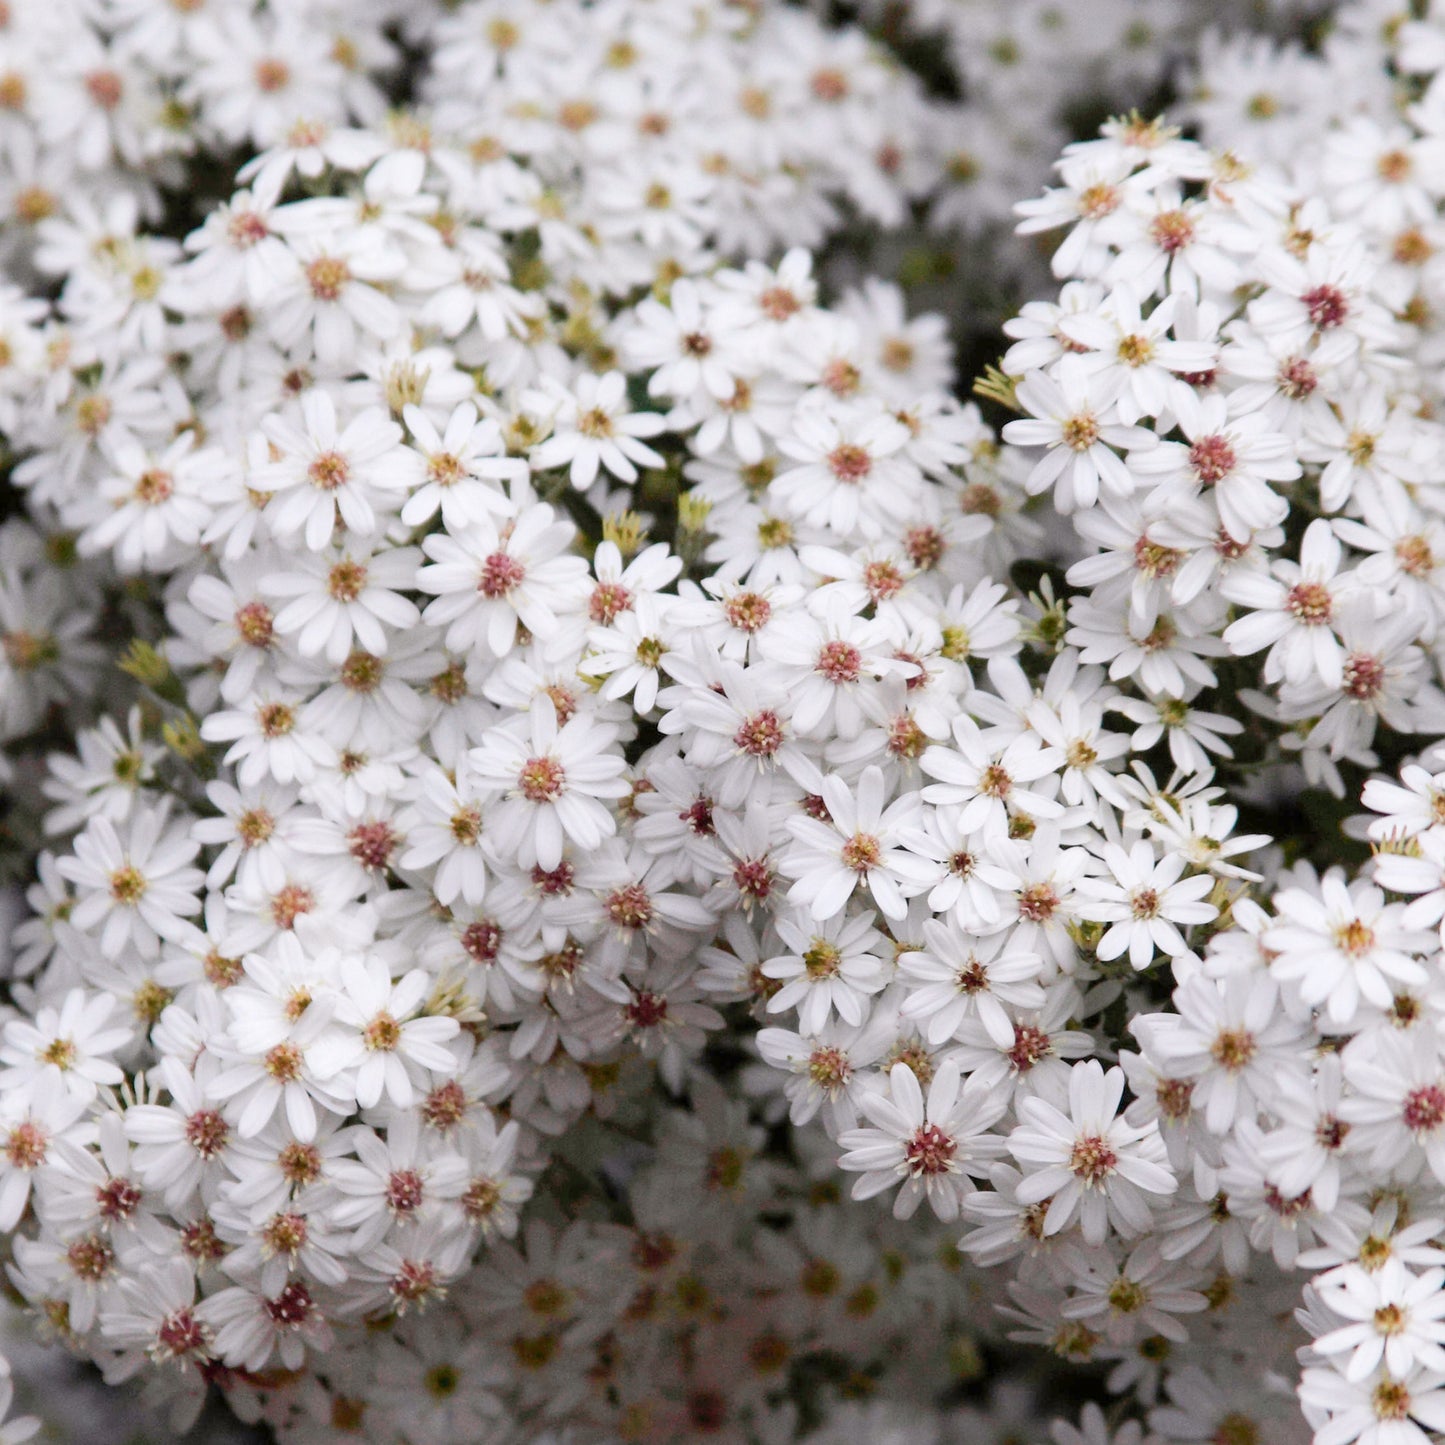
x=1006, y=128
x=590, y=702
x=381, y=882
x=1234, y=400
x=105, y=101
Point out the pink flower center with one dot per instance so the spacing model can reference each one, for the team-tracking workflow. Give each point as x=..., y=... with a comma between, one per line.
x=117, y=1199
x=1212, y=458
x=930, y=1151
x=647, y=1010
x=1309, y=603
x=372, y=844
x=1364, y=676
x=850, y=463
x=861, y=852
x=554, y=882
x=630, y=906
x=747, y=611
x=482, y=940
x=404, y=1191
x=255, y=624
x=328, y=471
x=607, y=601
x=542, y=780
x=698, y=817
x=1171, y=231
x=180, y=1333
x=1093, y=1159
x=1327, y=306
x=760, y=735
x=499, y=575
x=754, y=881
x=207, y=1133
x=839, y=662
x=1424, y=1109
x=829, y=1068
x=1031, y=1044
x=292, y=1307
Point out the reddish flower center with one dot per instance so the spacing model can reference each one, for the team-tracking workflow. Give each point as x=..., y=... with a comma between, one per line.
x=607, y=601
x=760, y=735
x=180, y=1333
x=284, y=1234
x=747, y=611
x=882, y=579
x=849, y=463
x=1327, y=306
x=862, y=852
x=153, y=487
x=698, y=817
x=207, y=1133
x=542, y=780
x=90, y=1258
x=283, y=1063
x=105, y=88
x=828, y=1068
x=346, y=580
x=404, y=1191
x=1212, y=458
x=117, y=1199
x=26, y=1146
x=271, y=75
x=905, y=738
x=753, y=879
x=1309, y=603
x=328, y=471
x=290, y=903
x=1145, y=903
x=839, y=662
x=299, y=1163
x=292, y=1308
x=1364, y=676
x=1038, y=902
x=926, y=545
x=415, y=1283
x=777, y=303
x=482, y=941
x=446, y=1106
x=255, y=624
x=499, y=575
x=1093, y=1159
x=372, y=844
x=647, y=1010
x=554, y=882
x=630, y=906
x=1171, y=231
x=1233, y=1049
x=1154, y=560
x=929, y=1151
x=1424, y=1109
x=1175, y=1097
x=1031, y=1044
x=1098, y=201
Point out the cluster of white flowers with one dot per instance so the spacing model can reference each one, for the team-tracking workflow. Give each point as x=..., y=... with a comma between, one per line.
x=376, y=888
x=587, y=703
x=1006, y=128
x=1233, y=399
